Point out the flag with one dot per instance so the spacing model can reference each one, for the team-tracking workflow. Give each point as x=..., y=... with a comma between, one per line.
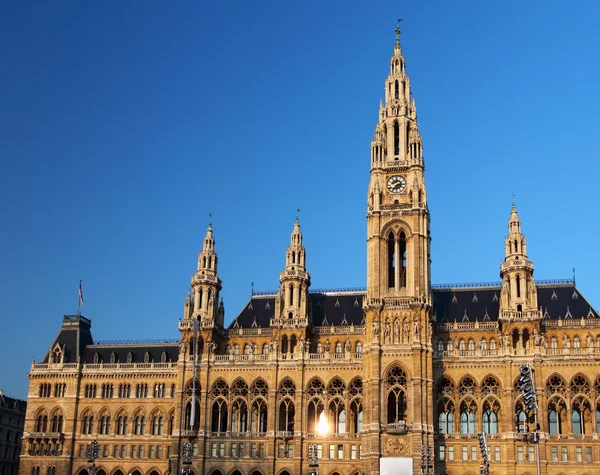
x=80, y=294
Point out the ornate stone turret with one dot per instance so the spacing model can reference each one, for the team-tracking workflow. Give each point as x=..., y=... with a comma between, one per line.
x=518, y=299
x=206, y=285
x=291, y=302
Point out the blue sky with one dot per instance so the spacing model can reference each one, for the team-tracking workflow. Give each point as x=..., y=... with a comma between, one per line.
x=123, y=124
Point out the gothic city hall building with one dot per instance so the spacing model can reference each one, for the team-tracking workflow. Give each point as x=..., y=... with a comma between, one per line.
x=400, y=377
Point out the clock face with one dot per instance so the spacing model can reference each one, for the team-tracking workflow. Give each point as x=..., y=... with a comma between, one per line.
x=396, y=184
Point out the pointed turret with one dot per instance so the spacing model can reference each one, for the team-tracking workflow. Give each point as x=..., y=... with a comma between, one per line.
x=295, y=281
x=519, y=292
x=206, y=284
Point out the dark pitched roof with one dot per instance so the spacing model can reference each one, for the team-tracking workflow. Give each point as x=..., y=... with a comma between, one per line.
x=335, y=307
x=74, y=335
x=556, y=298
x=12, y=404
x=137, y=350
x=461, y=302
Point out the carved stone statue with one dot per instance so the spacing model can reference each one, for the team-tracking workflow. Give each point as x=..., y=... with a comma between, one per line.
x=536, y=337
x=506, y=340
x=327, y=345
x=589, y=340
x=386, y=331
x=229, y=349
x=301, y=345
x=375, y=327
x=417, y=327
x=566, y=341
x=430, y=329
x=544, y=341
x=396, y=331
x=347, y=345
x=254, y=348
x=405, y=329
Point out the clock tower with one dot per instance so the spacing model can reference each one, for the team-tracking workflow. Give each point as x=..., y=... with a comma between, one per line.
x=398, y=302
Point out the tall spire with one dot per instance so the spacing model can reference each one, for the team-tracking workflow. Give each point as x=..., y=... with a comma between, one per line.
x=295, y=281
x=206, y=284
x=519, y=292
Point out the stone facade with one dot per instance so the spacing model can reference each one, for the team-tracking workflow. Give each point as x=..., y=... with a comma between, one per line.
x=400, y=372
x=12, y=420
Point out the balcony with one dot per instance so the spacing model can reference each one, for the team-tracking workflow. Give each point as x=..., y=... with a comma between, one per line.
x=45, y=435
x=190, y=434
x=399, y=428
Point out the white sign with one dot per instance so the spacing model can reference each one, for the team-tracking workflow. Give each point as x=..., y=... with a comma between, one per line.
x=396, y=466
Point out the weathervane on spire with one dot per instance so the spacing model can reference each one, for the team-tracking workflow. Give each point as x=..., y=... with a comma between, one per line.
x=398, y=32
x=297, y=214
x=513, y=202
x=210, y=220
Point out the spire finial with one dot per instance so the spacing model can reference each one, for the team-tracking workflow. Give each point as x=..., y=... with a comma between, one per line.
x=297, y=215
x=573, y=274
x=514, y=208
x=398, y=32
x=210, y=220
x=252, y=291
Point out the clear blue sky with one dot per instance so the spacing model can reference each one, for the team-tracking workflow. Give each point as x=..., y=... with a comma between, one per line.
x=123, y=124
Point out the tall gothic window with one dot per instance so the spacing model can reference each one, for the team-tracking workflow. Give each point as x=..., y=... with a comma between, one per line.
x=403, y=259
x=396, y=138
x=397, y=387
x=391, y=247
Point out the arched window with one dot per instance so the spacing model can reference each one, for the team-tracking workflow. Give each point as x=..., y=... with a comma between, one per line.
x=577, y=421
x=492, y=344
x=139, y=425
x=441, y=346
x=402, y=259
x=490, y=422
x=338, y=347
x=471, y=345
x=319, y=347
x=446, y=422
x=553, y=342
x=396, y=386
x=287, y=410
x=122, y=422
x=104, y=428
x=316, y=408
x=576, y=342
x=358, y=347
x=467, y=417
x=157, y=424
x=391, y=250
x=553, y=426
x=396, y=138
x=397, y=90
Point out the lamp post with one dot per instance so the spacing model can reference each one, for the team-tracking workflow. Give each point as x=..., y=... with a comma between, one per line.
x=92, y=453
x=484, y=468
x=527, y=388
x=426, y=460
x=187, y=458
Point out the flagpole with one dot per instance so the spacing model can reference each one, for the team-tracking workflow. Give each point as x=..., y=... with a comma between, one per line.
x=79, y=300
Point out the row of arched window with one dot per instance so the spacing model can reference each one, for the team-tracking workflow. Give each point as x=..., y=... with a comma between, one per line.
x=572, y=408
x=159, y=390
x=157, y=424
x=51, y=470
x=240, y=407
x=54, y=423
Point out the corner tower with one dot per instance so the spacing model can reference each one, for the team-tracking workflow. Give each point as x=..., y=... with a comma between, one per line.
x=291, y=304
x=206, y=285
x=519, y=293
